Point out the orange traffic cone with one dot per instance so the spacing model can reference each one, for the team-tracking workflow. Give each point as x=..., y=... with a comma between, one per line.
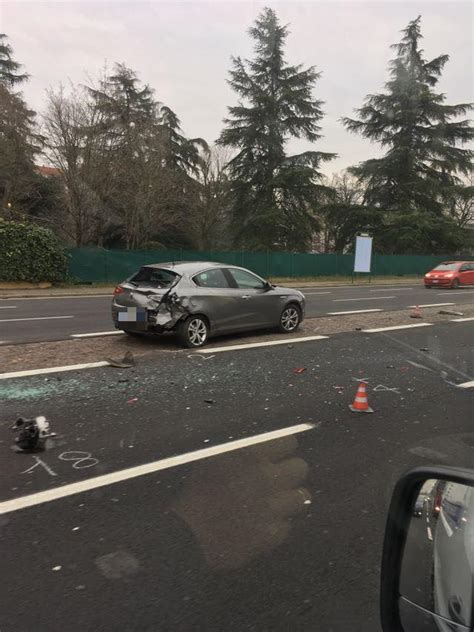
x=416, y=312
x=361, y=403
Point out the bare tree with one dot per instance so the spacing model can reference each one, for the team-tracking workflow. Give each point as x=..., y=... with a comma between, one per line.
x=79, y=152
x=209, y=221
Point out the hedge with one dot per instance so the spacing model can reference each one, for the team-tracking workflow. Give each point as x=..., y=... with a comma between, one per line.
x=31, y=253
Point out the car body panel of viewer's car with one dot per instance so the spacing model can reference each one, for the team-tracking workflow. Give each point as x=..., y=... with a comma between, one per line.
x=203, y=299
x=451, y=274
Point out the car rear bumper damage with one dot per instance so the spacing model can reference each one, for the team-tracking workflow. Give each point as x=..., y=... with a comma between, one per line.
x=155, y=314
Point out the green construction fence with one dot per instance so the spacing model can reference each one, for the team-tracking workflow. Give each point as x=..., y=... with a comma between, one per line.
x=97, y=265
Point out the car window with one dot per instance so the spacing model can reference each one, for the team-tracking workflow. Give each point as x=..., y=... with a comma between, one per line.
x=447, y=266
x=466, y=267
x=211, y=278
x=246, y=280
x=157, y=277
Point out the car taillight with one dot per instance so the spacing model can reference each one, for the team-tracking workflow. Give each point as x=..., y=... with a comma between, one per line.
x=118, y=290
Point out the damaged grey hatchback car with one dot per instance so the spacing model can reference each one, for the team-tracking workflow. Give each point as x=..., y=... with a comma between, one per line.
x=198, y=300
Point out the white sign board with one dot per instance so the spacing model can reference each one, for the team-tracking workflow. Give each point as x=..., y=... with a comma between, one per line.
x=363, y=254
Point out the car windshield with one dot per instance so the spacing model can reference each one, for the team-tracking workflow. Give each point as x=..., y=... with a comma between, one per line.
x=447, y=266
x=155, y=277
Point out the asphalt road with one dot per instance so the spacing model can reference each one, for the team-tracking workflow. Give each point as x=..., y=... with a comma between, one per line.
x=231, y=541
x=32, y=320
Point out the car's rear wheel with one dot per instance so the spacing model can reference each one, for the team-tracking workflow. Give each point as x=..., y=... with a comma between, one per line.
x=428, y=287
x=455, y=284
x=193, y=332
x=134, y=334
x=290, y=319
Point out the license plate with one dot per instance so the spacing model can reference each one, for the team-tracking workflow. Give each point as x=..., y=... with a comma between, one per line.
x=132, y=315
x=435, y=281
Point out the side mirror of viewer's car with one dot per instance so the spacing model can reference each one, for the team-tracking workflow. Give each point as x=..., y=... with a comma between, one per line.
x=427, y=581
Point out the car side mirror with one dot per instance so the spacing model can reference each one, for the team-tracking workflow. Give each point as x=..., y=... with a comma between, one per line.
x=427, y=580
x=267, y=286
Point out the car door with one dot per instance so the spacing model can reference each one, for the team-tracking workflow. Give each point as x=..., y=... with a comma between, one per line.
x=471, y=273
x=259, y=306
x=214, y=298
x=465, y=274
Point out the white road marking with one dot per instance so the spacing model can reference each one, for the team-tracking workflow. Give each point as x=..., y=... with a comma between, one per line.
x=370, y=298
x=461, y=320
x=431, y=305
x=466, y=384
x=315, y=293
x=393, y=289
x=252, y=345
x=48, y=298
x=115, y=332
x=18, y=320
x=430, y=535
x=64, y=491
x=452, y=293
x=52, y=369
x=355, y=311
x=8, y=307
x=375, y=331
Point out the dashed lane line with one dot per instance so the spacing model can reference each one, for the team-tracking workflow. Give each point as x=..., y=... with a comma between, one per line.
x=431, y=305
x=52, y=369
x=369, y=298
x=253, y=345
x=453, y=293
x=393, y=289
x=115, y=332
x=53, y=298
x=394, y=328
x=19, y=320
x=64, y=491
x=466, y=384
x=355, y=311
x=462, y=320
x=7, y=306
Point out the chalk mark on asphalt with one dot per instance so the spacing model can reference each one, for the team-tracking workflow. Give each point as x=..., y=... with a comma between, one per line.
x=119, y=476
x=43, y=464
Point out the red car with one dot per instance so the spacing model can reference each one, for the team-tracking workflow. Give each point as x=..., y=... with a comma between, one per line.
x=451, y=274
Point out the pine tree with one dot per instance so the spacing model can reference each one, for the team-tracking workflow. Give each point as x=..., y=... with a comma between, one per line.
x=422, y=134
x=9, y=68
x=20, y=142
x=151, y=161
x=274, y=194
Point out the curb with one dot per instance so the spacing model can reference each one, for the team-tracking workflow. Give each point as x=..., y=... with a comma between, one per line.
x=108, y=291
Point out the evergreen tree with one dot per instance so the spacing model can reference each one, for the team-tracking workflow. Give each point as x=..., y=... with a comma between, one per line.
x=151, y=161
x=9, y=68
x=20, y=142
x=422, y=134
x=274, y=194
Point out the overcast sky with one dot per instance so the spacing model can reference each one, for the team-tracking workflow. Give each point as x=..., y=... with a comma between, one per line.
x=183, y=49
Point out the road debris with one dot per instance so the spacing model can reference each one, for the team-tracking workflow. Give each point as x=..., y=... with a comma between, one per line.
x=209, y=401
x=416, y=312
x=132, y=400
x=126, y=363
x=299, y=370
x=450, y=312
x=32, y=433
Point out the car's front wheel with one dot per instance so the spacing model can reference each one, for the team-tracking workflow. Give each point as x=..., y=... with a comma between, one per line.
x=193, y=332
x=455, y=284
x=290, y=319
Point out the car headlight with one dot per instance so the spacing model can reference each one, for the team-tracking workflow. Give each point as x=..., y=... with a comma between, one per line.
x=448, y=276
